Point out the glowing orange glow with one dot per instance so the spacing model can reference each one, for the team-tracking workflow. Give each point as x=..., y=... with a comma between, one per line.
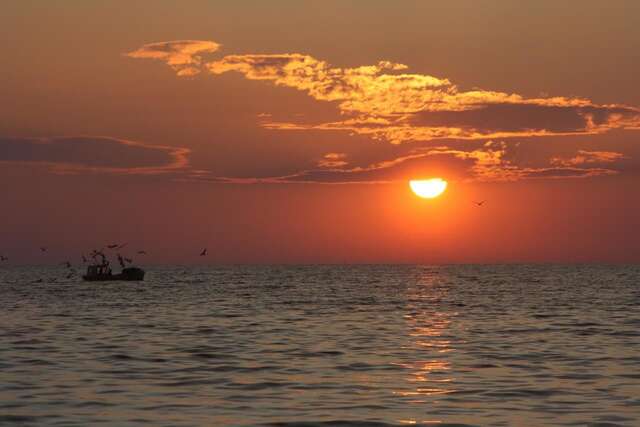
x=428, y=188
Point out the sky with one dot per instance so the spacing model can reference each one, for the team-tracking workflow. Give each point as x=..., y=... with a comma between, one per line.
x=287, y=131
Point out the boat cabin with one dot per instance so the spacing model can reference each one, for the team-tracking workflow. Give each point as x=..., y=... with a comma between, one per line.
x=99, y=270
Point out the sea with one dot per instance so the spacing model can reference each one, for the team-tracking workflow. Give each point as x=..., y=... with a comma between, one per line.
x=323, y=345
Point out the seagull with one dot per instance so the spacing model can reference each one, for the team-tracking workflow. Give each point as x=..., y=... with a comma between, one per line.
x=479, y=203
x=95, y=253
x=204, y=252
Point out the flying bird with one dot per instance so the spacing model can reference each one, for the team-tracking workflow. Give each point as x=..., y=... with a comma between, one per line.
x=480, y=203
x=142, y=252
x=204, y=252
x=95, y=254
x=113, y=246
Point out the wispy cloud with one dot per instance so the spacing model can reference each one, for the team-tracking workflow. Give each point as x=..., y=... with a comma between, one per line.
x=492, y=162
x=588, y=157
x=385, y=102
x=83, y=154
x=333, y=160
x=184, y=56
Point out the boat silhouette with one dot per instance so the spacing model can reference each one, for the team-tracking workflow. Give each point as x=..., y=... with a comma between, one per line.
x=103, y=273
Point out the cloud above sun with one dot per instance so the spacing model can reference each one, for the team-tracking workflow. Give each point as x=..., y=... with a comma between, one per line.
x=386, y=103
x=491, y=162
x=425, y=114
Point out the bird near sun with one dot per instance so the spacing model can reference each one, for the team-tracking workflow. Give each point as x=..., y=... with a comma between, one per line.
x=428, y=188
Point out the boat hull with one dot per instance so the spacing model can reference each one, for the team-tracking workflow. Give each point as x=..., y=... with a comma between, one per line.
x=128, y=274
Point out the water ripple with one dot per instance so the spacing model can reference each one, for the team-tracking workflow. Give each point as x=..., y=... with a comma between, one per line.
x=324, y=346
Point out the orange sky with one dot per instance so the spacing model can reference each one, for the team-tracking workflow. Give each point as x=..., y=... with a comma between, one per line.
x=286, y=131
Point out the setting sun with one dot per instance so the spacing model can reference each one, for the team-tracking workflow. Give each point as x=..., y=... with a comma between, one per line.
x=428, y=188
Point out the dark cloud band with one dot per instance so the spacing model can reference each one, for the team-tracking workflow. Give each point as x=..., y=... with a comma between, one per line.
x=93, y=154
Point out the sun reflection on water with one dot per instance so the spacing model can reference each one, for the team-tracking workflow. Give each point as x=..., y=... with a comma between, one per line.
x=430, y=346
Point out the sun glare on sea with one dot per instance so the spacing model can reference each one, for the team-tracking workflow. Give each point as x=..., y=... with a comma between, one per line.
x=428, y=188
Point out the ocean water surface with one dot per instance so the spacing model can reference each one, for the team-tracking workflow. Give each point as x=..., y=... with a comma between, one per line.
x=517, y=345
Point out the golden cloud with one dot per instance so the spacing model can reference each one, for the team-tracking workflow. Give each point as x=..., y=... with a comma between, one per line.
x=488, y=163
x=385, y=102
x=588, y=157
x=184, y=56
x=333, y=160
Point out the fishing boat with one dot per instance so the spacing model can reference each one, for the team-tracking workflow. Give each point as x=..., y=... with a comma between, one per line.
x=103, y=273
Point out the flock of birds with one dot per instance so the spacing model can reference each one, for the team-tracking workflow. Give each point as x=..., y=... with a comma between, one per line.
x=124, y=261
x=98, y=257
